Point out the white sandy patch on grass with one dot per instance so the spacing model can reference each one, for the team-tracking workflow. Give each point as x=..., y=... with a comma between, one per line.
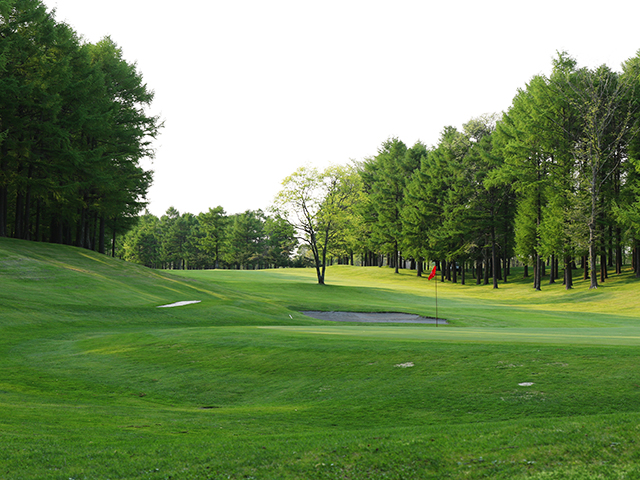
x=180, y=304
x=405, y=365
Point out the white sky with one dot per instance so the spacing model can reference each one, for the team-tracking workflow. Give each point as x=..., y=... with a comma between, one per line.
x=250, y=90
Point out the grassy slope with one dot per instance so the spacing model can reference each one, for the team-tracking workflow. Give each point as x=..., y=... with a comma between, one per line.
x=95, y=382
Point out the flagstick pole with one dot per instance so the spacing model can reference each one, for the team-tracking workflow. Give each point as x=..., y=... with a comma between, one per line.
x=436, y=279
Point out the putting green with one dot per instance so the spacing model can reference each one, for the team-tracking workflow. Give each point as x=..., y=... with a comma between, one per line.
x=569, y=336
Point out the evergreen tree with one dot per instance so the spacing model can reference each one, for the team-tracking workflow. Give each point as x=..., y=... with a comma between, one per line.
x=214, y=226
x=142, y=243
x=74, y=125
x=247, y=248
x=280, y=241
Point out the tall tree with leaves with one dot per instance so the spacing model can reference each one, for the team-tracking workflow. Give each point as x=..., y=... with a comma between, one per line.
x=214, y=225
x=246, y=240
x=386, y=176
x=605, y=102
x=312, y=202
x=76, y=127
x=521, y=137
x=142, y=243
x=280, y=241
x=124, y=139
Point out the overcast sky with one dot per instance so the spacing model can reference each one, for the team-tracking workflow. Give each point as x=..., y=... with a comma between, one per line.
x=251, y=90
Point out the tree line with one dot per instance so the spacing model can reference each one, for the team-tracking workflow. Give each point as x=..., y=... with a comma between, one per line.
x=212, y=239
x=74, y=128
x=553, y=182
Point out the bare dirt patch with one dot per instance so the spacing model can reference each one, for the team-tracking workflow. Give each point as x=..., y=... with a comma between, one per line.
x=388, y=317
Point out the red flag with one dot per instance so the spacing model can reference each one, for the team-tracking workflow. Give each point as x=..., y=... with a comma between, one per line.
x=433, y=273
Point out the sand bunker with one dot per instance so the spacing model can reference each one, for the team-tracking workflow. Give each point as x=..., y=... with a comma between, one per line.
x=371, y=317
x=179, y=304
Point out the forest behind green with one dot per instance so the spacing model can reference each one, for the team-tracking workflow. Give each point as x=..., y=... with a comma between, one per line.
x=74, y=129
x=550, y=184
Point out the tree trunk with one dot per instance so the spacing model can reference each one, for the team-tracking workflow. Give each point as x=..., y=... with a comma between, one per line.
x=80, y=226
x=324, y=254
x=4, y=196
x=505, y=268
x=3, y=211
x=38, y=232
x=568, y=273
x=592, y=230
x=396, y=257
x=494, y=259
x=26, y=229
x=485, y=255
x=618, y=251
x=585, y=267
x=316, y=258
x=113, y=243
x=101, y=245
x=19, y=213
x=610, y=245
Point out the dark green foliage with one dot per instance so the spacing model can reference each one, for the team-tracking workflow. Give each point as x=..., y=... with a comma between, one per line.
x=385, y=177
x=213, y=226
x=74, y=131
x=211, y=239
x=280, y=241
x=567, y=142
x=246, y=239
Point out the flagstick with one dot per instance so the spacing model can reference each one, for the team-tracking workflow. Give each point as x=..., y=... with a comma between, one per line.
x=436, y=279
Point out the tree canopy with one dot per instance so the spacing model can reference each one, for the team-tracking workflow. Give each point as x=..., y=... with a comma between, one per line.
x=315, y=203
x=551, y=182
x=74, y=130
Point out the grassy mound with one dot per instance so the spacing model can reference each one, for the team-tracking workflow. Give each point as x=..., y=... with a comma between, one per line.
x=96, y=382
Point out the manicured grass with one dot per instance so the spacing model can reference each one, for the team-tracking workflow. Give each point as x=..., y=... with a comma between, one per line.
x=96, y=382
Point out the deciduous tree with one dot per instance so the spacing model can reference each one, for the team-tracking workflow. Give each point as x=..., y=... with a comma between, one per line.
x=312, y=201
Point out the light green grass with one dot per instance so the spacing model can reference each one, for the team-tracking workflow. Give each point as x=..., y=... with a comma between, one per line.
x=96, y=382
x=513, y=304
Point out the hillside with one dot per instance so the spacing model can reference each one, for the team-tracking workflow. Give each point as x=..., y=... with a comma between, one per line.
x=97, y=382
x=46, y=282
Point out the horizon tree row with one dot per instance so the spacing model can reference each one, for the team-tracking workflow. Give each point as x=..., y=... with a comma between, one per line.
x=74, y=130
x=212, y=239
x=555, y=178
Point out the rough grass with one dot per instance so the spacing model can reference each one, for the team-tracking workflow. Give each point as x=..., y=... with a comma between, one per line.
x=96, y=382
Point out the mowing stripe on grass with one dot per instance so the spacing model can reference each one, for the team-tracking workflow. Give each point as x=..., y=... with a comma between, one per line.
x=593, y=336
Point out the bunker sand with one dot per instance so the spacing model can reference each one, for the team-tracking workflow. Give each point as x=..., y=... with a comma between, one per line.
x=388, y=317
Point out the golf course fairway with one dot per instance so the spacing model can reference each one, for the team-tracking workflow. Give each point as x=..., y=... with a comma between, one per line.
x=97, y=382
